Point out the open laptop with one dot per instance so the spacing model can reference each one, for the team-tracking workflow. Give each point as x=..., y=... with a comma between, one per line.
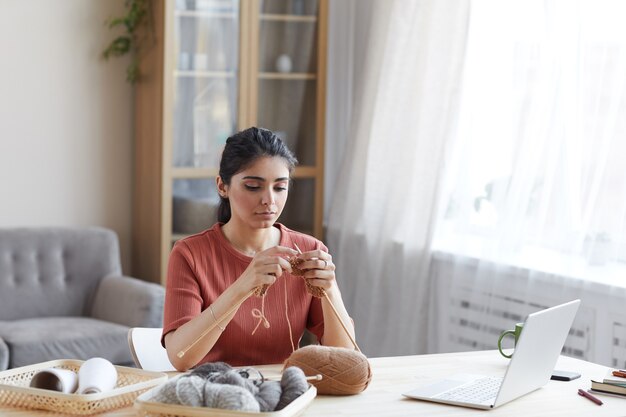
x=536, y=353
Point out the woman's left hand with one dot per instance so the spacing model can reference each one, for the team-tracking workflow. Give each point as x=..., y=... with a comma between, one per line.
x=318, y=267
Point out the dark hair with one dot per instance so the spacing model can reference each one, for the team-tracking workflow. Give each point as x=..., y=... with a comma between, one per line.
x=241, y=150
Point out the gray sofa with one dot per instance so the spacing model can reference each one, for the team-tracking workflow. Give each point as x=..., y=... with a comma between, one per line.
x=62, y=296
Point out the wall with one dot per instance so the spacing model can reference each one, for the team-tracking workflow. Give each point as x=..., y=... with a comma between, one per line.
x=65, y=118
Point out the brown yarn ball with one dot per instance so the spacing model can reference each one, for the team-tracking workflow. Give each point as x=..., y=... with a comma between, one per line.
x=344, y=371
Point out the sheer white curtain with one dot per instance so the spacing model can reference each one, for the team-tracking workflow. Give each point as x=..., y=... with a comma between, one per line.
x=383, y=209
x=534, y=207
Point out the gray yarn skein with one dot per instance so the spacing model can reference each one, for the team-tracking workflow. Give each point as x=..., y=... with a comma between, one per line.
x=167, y=392
x=222, y=373
x=190, y=390
x=229, y=397
x=210, y=369
x=269, y=395
x=294, y=384
x=196, y=391
x=234, y=377
x=220, y=386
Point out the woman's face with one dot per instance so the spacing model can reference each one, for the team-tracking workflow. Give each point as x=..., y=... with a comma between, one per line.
x=257, y=195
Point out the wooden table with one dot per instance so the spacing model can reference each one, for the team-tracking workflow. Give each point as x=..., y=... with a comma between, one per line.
x=395, y=375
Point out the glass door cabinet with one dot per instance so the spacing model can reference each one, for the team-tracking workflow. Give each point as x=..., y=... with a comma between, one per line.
x=220, y=66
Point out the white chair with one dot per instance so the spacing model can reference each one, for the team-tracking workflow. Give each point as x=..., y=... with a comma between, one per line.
x=145, y=346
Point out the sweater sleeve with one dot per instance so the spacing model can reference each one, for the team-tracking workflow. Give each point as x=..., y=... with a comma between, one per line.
x=183, y=301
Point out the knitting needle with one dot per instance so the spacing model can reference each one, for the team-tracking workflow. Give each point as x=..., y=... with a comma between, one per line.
x=335, y=312
x=341, y=322
x=214, y=325
x=317, y=377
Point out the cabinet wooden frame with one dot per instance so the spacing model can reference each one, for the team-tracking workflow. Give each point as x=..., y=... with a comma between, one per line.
x=153, y=236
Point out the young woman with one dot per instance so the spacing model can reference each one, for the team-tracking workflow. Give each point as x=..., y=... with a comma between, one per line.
x=210, y=272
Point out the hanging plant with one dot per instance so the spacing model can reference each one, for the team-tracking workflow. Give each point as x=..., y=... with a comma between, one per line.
x=138, y=14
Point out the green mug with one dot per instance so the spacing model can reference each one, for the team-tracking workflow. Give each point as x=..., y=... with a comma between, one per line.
x=515, y=333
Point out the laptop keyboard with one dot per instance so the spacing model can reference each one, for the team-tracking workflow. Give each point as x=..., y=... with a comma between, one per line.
x=476, y=392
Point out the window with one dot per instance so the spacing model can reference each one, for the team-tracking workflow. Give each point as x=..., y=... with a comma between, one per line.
x=540, y=153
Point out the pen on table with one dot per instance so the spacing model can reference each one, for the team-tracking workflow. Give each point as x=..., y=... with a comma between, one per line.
x=620, y=373
x=590, y=397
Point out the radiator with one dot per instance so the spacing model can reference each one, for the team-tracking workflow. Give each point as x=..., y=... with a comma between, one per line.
x=618, y=348
x=473, y=304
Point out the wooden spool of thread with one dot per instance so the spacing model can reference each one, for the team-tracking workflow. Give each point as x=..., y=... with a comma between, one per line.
x=344, y=371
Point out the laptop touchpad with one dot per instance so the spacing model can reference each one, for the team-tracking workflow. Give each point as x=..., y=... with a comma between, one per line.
x=441, y=386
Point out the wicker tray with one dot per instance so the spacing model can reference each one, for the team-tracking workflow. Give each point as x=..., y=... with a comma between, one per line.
x=147, y=408
x=15, y=392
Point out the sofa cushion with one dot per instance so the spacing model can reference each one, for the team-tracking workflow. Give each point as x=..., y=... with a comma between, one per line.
x=4, y=355
x=42, y=339
x=53, y=271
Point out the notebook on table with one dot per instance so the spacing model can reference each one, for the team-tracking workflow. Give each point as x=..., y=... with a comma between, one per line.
x=536, y=354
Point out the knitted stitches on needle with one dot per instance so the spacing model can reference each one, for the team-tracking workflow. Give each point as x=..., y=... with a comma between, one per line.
x=297, y=272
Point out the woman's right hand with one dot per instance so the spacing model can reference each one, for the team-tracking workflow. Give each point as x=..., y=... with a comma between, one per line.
x=265, y=267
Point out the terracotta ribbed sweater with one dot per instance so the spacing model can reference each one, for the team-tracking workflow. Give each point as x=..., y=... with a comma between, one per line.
x=202, y=266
